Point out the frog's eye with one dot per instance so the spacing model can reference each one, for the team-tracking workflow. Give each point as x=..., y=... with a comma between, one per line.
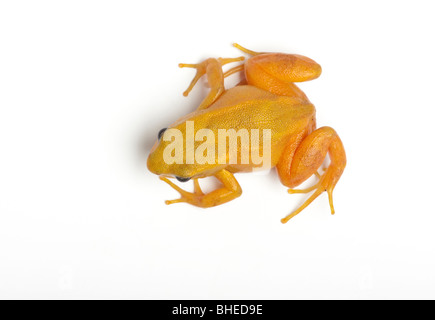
x=161, y=132
x=182, y=179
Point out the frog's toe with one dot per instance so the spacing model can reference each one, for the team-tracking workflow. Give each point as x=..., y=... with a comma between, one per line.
x=168, y=202
x=293, y=191
x=188, y=197
x=303, y=206
x=197, y=188
x=243, y=49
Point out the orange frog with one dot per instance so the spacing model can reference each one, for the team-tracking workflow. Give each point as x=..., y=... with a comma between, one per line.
x=266, y=99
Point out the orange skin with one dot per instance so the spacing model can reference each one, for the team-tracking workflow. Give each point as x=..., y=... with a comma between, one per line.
x=272, y=101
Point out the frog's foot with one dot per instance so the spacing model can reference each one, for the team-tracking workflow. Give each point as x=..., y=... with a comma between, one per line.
x=325, y=184
x=212, y=67
x=215, y=77
x=200, y=71
x=243, y=49
x=189, y=197
x=229, y=190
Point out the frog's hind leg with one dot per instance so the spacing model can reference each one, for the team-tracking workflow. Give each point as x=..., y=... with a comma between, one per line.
x=277, y=72
x=215, y=77
x=306, y=160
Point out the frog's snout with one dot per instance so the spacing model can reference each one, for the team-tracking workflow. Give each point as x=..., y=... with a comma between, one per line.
x=152, y=165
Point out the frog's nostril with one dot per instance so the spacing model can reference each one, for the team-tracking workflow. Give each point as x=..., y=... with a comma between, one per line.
x=182, y=179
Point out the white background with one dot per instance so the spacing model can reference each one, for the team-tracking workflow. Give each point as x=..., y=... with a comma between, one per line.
x=86, y=85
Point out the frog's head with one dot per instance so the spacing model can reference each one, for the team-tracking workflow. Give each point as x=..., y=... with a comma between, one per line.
x=157, y=162
x=168, y=156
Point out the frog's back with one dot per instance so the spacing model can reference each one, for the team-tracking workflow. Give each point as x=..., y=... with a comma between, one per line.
x=248, y=107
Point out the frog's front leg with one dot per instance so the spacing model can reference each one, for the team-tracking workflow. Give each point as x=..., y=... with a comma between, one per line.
x=296, y=166
x=215, y=77
x=230, y=190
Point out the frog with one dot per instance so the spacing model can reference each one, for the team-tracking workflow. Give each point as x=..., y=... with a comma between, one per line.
x=266, y=97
